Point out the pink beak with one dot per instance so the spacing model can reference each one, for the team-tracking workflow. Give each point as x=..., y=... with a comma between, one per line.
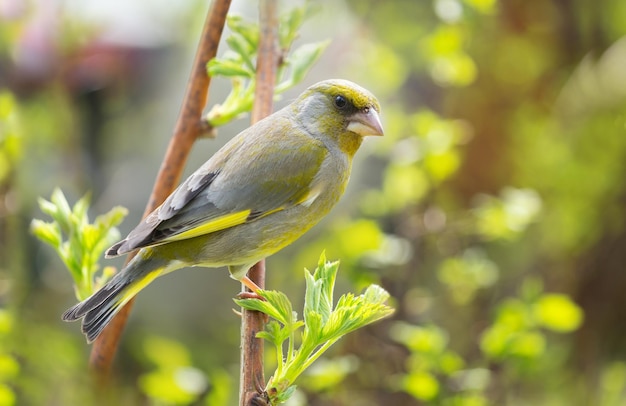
x=365, y=122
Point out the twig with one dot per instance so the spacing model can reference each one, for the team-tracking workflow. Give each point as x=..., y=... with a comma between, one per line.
x=252, y=382
x=187, y=129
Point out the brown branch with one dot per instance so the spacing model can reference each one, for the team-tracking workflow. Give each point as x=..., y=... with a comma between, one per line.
x=252, y=383
x=187, y=129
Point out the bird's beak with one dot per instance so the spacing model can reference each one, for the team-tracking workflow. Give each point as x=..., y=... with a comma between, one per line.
x=365, y=123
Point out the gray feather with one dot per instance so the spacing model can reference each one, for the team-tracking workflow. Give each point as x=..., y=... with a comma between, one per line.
x=236, y=179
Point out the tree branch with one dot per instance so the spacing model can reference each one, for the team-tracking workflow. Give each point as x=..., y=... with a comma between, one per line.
x=252, y=382
x=188, y=127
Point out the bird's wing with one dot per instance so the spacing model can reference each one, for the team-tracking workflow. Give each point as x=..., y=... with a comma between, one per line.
x=249, y=178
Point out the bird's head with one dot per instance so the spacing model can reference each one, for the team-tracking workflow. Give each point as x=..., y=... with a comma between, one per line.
x=341, y=110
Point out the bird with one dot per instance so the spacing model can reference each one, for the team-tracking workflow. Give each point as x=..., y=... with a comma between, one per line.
x=260, y=192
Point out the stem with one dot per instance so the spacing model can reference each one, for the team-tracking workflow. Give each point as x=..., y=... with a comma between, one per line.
x=252, y=383
x=187, y=129
x=311, y=359
x=291, y=344
x=303, y=363
x=279, y=359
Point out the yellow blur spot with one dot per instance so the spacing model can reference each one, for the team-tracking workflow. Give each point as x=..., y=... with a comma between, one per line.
x=220, y=223
x=136, y=287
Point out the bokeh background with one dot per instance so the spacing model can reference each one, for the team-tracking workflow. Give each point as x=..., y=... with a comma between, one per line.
x=493, y=210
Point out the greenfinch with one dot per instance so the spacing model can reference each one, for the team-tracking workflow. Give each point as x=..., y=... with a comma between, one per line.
x=259, y=193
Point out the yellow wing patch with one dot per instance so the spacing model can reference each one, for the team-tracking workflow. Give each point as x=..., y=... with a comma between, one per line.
x=134, y=288
x=216, y=224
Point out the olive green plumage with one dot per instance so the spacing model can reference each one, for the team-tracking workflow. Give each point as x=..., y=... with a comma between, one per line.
x=256, y=195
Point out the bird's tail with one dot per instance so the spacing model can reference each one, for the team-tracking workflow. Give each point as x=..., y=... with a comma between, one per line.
x=98, y=309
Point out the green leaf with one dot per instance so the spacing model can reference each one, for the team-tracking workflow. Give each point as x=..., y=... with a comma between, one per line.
x=239, y=44
x=63, y=211
x=304, y=57
x=313, y=327
x=47, y=207
x=290, y=23
x=375, y=295
x=239, y=100
x=284, y=395
x=275, y=305
x=273, y=333
x=300, y=62
x=112, y=218
x=228, y=68
x=319, y=288
x=238, y=65
x=323, y=324
x=91, y=236
x=49, y=233
x=81, y=207
x=248, y=30
x=353, y=312
x=78, y=242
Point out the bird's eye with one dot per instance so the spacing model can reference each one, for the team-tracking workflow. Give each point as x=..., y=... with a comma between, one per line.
x=340, y=102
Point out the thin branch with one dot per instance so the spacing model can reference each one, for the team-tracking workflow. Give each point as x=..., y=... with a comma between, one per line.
x=252, y=383
x=267, y=61
x=188, y=128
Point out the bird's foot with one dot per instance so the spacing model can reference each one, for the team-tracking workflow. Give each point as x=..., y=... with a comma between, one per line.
x=250, y=284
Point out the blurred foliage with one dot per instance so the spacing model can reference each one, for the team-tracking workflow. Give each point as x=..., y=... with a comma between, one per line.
x=504, y=166
x=86, y=242
x=492, y=210
x=173, y=380
x=11, y=147
x=239, y=62
x=515, y=332
x=9, y=366
x=429, y=357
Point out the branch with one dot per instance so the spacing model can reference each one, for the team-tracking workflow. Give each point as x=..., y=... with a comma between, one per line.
x=252, y=382
x=188, y=128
